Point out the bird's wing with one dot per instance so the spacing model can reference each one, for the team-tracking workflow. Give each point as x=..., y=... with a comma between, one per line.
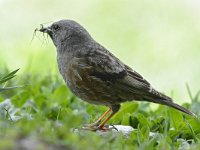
x=135, y=80
x=108, y=67
x=137, y=76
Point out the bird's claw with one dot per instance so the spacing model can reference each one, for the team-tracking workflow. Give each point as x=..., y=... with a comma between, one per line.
x=100, y=128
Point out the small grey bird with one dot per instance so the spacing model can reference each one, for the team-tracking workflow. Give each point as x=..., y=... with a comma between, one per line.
x=95, y=75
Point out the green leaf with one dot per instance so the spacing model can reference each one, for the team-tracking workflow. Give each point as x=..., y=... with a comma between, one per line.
x=6, y=79
x=145, y=133
x=126, y=119
x=10, y=88
x=129, y=107
x=8, y=76
x=142, y=120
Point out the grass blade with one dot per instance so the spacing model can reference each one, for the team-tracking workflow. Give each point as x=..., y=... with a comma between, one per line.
x=8, y=76
x=189, y=92
x=10, y=88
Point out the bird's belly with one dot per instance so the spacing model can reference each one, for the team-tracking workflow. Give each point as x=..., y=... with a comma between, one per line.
x=88, y=91
x=91, y=89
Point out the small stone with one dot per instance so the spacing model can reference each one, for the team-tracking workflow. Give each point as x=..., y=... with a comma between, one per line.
x=116, y=129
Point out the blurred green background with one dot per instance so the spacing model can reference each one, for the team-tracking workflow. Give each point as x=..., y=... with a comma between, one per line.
x=159, y=39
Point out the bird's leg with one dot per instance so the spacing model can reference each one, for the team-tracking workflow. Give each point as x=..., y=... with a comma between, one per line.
x=102, y=125
x=102, y=117
x=97, y=123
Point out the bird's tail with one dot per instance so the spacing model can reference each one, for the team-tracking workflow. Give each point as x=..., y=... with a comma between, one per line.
x=176, y=106
x=160, y=98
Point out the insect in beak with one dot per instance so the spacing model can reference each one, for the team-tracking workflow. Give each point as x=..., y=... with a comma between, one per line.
x=45, y=30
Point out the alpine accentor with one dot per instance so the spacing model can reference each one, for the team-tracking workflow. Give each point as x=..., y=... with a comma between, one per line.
x=97, y=76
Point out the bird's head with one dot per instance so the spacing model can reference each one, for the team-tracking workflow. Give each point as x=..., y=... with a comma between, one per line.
x=66, y=32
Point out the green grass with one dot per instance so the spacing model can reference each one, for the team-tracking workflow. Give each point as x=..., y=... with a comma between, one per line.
x=45, y=112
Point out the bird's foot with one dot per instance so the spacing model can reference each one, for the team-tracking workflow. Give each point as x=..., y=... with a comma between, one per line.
x=93, y=126
x=100, y=128
x=113, y=127
x=90, y=128
x=106, y=128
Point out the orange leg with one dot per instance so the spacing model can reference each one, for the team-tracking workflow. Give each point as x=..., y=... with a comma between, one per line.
x=103, y=116
x=105, y=121
x=96, y=123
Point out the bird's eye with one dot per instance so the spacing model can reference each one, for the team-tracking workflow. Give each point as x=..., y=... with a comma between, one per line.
x=55, y=27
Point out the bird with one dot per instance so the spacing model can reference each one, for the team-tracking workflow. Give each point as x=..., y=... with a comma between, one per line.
x=96, y=76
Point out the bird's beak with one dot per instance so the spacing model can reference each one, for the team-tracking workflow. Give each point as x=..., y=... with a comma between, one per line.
x=45, y=30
